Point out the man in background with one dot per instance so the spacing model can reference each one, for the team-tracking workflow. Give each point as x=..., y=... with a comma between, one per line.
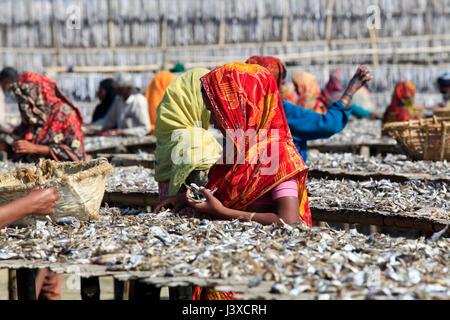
x=128, y=116
x=444, y=87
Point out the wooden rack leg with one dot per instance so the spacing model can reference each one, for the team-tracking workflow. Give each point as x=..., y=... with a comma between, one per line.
x=121, y=290
x=12, y=284
x=142, y=291
x=26, y=284
x=90, y=289
x=181, y=293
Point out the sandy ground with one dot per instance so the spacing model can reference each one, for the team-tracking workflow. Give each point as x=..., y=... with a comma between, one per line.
x=106, y=288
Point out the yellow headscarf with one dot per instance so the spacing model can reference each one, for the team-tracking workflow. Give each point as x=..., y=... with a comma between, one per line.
x=184, y=143
x=155, y=93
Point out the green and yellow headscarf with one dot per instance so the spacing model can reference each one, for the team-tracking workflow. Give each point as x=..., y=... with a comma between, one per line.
x=184, y=143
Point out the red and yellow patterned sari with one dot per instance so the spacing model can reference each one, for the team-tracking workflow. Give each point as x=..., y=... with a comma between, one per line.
x=246, y=97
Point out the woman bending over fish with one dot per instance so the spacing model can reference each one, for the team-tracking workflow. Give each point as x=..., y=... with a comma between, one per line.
x=239, y=97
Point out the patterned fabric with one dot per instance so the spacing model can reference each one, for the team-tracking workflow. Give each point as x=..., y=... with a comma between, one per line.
x=335, y=86
x=274, y=65
x=245, y=97
x=308, y=92
x=211, y=294
x=402, y=104
x=48, y=118
x=181, y=129
x=155, y=93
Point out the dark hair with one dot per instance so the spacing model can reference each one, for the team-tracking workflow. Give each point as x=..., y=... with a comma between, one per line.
x=9, y=73
x=284, y=73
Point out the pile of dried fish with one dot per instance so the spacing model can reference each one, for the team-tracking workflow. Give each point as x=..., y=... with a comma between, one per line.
x=317, y=263
x=131, y=179
x=383, y=195
x=357, y=131
x=389, y=164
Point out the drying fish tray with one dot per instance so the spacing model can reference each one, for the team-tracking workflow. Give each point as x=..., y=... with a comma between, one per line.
x=411, y=220
x=80, y=186
x=96, y=145
x=377, y=147
x=129, y=160
x=423, y=139
x=137, y=199
x=332, y=173
x=443, y=112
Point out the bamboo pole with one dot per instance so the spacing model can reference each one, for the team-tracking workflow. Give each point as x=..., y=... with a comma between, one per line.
x=329, y=21
x=373, y=37
x=164, y=42
x=316, y=56
x=431, y=37
x=111, y=36
x=285, y=27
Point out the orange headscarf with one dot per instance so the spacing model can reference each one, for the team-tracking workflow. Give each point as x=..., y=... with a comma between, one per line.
x=274, y=65
x=155, y=93
x=246, y=97
x=308, y=92
x=402, y=105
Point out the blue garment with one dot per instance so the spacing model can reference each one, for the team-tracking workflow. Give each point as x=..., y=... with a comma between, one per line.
x=309, y=125
x=359, y=112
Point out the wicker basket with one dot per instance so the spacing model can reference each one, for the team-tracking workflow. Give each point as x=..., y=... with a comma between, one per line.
x=80, y=186
x=424, y=139
x=442, y=112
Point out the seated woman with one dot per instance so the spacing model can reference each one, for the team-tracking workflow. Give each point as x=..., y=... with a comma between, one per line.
x=309, y=125
x=155, y=93
x=51, y=124
x=334, y=90
x=402, y=104
x=106, y=94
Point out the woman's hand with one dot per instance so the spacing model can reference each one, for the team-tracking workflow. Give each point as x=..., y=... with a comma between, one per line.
x=212, y=206
x=27, y=147
x=24, y=146
x=42, y=201
x=361, y=77
x=177, y=202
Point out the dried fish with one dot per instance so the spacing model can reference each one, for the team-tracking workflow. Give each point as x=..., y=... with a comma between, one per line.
x=321, y=263
x=388, y=164
x=426, y=199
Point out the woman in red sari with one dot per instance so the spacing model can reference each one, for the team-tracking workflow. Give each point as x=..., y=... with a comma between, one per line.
x=51, y=124
x=402, y=104
x=245, y=98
